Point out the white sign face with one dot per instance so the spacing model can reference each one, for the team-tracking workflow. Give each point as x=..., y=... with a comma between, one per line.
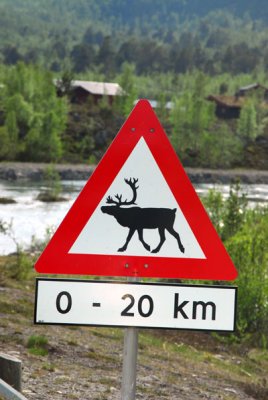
x=153, y=305
x=104, y=235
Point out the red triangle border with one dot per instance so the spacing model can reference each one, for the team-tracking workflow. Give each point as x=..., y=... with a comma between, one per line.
x=142, y=122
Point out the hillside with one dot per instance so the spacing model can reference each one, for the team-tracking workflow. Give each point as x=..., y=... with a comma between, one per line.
x=202, y=35
x=118, y=13
x=86, y=362
x=174, y=51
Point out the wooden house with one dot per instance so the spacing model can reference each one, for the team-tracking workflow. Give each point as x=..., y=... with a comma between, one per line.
x=229, y=107
x=243, y=91
x=81, y=91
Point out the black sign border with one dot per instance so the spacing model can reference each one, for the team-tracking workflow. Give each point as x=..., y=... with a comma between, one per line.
x=235, y=288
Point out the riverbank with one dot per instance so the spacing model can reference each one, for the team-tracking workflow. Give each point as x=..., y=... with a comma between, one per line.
x=18, y=171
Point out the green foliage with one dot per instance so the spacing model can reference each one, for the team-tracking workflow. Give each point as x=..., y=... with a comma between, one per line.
x=249, y=251
x=245, y=235
x=38, y=345
x=202, y=140
x=247, y=124
x=126, y=80
x=178, y=37
x=220, y=148
x=52, y=179
x=52, y=184
x=37, y=245
x=34, y=115
x=20, y=266
x=90, y=130
x=12, y=133
x=4, y=144
x=214, y=205
x=37, y=125
x=191, y=118
x=227, y=215
x=234, y=212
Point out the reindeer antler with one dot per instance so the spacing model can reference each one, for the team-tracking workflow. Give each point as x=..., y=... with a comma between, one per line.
x=110, y=200
x=132, y=183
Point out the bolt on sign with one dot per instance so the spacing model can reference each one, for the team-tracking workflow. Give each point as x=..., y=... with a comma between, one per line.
x=138, y=215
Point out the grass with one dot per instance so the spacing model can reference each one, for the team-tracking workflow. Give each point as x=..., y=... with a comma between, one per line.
x=38, y=345
x=49, y=367
x=107, y=381
x=24, y=307
x=107, y=333
x=161, y=353
x=246, y=369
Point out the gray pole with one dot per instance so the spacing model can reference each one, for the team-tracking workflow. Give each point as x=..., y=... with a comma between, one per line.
x=128, y=389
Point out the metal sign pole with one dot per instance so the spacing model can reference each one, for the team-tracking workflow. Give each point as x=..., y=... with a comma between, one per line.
x=130, y=354
x=128, y=389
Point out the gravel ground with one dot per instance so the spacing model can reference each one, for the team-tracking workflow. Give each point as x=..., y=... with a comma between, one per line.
x=86, y=362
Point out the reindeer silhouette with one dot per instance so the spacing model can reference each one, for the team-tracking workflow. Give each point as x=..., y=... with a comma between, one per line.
x=137, y=218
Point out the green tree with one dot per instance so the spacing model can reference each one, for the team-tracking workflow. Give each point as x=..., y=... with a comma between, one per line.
x=247, y=123
x=106, y=56
x=82, y=57
x=34, y=116
x=12, y=131
x=191, y=118
x=220, y=148
x=4, y=143
x=11, y=55
x=245, y=234
x=125, y=102
x=228, y=216
x=64, y=84
x=234, y=213
x=249, y=252
x=43, y=142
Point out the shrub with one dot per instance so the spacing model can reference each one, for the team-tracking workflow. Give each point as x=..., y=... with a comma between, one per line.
x=20, y=265
x=248, y=249
x=53, y=186
x=244, y=232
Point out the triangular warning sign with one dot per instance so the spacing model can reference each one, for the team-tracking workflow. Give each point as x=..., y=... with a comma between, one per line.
x=138, y=215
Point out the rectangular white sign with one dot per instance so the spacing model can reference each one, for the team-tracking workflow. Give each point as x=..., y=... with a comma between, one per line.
x=146, y=305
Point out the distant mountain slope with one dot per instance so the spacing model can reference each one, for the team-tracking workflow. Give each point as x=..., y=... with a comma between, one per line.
x=158, y=34
x=122, y=12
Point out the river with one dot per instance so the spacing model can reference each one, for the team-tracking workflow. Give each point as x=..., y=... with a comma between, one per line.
x=31, y=218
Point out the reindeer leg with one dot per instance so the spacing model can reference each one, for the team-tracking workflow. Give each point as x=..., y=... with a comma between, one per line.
x=129, y=236
x=172, y=231
x=140, y=233
x=162, y=239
